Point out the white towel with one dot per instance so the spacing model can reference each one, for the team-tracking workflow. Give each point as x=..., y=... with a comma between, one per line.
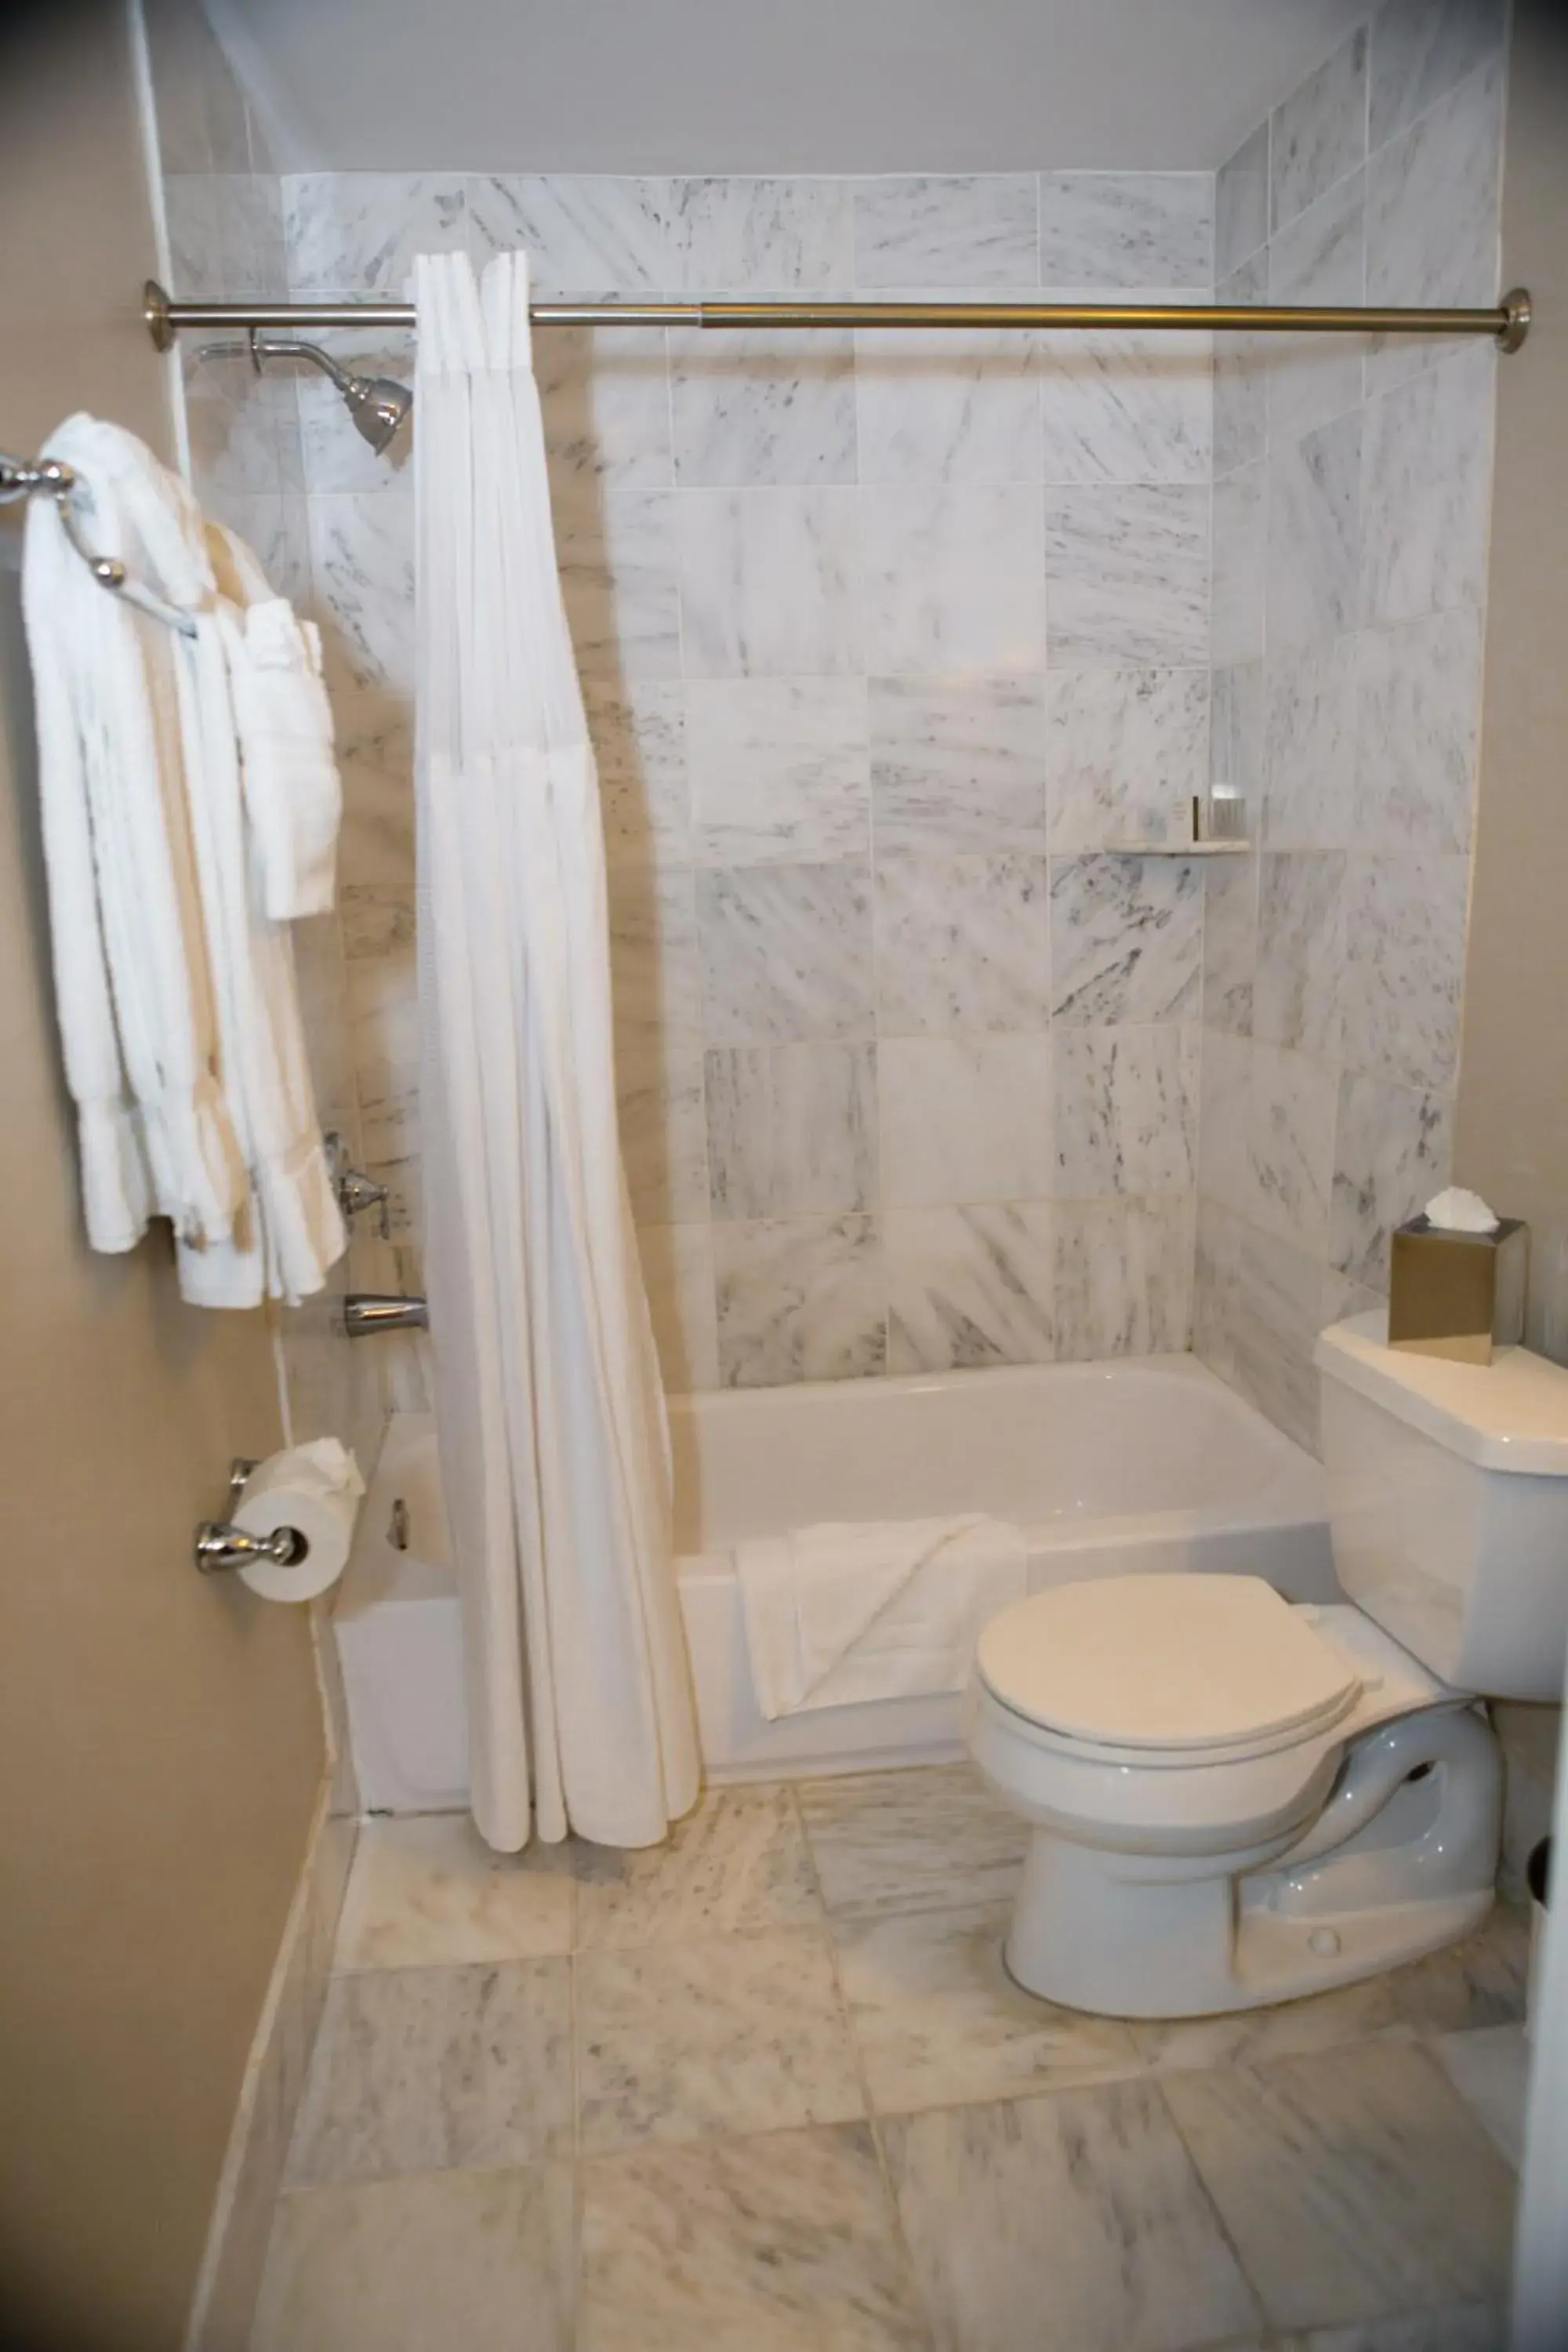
x=843, y=1613
x=293, y=796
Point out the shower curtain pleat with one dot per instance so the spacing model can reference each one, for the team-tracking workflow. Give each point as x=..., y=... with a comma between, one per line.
x=554, y=1449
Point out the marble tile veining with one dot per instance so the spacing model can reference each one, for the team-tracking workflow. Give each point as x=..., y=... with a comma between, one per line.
x=960, y=943
x=1125, y=1113
x=786, y=953
x=1126, y=939
x=358, y=232
x=1072, y=2222
x=1319, y=132
x=425, y=1891
x=1319, y=258
x=899, y=1842
x=1126, y=229
x=1421, y=49
x=964, y=1118
x=1126, y=752
x=1354, y=2183
x=954, y=230
x=946, y=406
x=1127, y=575
x=761, y=407
x=1418, y=693
x=1432, y=202
x=953, y=579
x=1310, y=748
x=1427, y=478
x=792, y=1130
x=1391, y=1155
x=957, y=764
x=779, y=770
x=1240, y=548
x=419, y=2069
x=738, y=2033
x=786, y=2243
x=770, y=582
x=483, y=2257
x=736, y=1863
x=747, y=236
x=1314, y=533
x=969, y=1286
x=1124, y=1277
x=1125, y=406
x=1241, y=204
x=799, y=1299
x=585, y=233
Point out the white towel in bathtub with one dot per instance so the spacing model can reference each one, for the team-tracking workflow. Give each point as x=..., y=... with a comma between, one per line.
x=847, y=1611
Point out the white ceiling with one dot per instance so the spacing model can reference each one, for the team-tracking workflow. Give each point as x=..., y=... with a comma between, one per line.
x=772, y=85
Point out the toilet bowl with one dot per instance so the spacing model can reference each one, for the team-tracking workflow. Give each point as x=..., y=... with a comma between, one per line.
x=1235, y=1800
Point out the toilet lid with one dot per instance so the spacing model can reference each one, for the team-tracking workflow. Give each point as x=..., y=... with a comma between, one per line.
x=1164, y=1662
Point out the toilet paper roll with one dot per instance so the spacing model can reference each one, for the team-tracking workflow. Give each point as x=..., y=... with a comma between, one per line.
x=315, y=1489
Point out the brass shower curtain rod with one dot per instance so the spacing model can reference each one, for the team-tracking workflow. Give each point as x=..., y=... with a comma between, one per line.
x=1508, y=322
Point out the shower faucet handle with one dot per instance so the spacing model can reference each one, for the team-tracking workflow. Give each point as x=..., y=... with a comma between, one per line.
x=355, y=1189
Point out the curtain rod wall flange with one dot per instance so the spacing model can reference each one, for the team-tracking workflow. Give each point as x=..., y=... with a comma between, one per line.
x=1506, y=322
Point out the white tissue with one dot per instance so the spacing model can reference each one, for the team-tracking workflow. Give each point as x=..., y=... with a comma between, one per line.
x=315, y=1488
x=1459, y=1212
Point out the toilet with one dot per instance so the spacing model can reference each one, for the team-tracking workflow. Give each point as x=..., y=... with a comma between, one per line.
x=1234, y=1800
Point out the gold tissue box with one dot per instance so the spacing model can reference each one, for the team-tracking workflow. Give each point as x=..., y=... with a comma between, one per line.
x=1458, y=1294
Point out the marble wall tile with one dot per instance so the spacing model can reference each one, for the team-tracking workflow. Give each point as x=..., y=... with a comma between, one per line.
x=377, y=2266
x=964, y=1119
x=800, y=1299
x=761, y=407
x=1241, y=375
x=738, y=2033
x=770, y=582
x=1126, y=939
x=745, y=235
x=638, y=733
x=1241, y=204
x=747, y=2241
x=1392, y=1147
x=1314, y=533
x=1319, y=132
x=358, y=232
x=1421, y=49
x=938, y=2019
x=1230, y=943
x=1418, y=700
x=1236, y=733
x=1278, y=1306
x=1127, y=407
x=786, y=953
x=736, y=1865
x=891, y=1841
x=1240, y=516
x=1076, y=2220
x=1310, y=746
x=958, y=764
x=779, y=770
x=1125, y=1114
x=1296, y=996
x=961, y=943
x=1124, y=1278
x=978, y=230
x=1216, y=1276
x=970, y=1287
x=1127, y=750
x=607, y=402
x=1427, y=488
x=616, y=550
x=236, y=423
x=419, y=2069
x=362, y=551
x=953, y=579
x=1354, y=2183
x=1225, y=1166
x=1319, y=258
x=664, y=1139
x=1405, y=966
x=1128, y=576
x=947, y=406
x=1434, y=198
x=678, y=1276
x=585, y=233
x=1290, y=1145
x=376, y=760
x=1124, y=229
x=792, y=1130
x=226, y=235
x=654, y=965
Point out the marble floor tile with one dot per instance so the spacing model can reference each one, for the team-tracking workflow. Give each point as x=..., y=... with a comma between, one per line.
x=1489, y=2068
x=1473, y=2327
x=938, y=2019
x=738, y=1862
x=426, y=1891
x=910, y=1840
x=738, y=2033
x=1289, y=2029
x=418, y=2069
x=1074, y=2223
x=1354, y=2185
x=1476, y=1983
x=480, y=2259
x=786, y=2243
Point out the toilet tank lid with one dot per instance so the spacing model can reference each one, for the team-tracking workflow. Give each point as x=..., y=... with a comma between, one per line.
x=1509, y=1414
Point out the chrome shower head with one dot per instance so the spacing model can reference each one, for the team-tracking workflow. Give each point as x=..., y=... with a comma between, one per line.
x=376, y=403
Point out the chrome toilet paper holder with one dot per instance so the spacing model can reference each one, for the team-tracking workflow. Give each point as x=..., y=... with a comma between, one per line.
x=220, y=1545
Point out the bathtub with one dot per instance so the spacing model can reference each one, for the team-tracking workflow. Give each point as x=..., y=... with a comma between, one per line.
x=1147, y=1465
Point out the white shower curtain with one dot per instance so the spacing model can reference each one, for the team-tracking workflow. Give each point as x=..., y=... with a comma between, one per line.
x=555, y=1448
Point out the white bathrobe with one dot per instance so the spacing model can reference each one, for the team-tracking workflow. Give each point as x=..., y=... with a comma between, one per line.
x=176, y=998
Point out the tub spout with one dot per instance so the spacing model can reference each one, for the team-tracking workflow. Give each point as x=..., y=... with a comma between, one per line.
x=367, y=1311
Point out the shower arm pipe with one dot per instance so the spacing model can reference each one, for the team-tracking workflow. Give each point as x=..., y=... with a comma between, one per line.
x=1506, y=322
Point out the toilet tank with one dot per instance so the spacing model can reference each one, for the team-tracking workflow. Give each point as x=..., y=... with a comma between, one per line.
x=1448, y=1488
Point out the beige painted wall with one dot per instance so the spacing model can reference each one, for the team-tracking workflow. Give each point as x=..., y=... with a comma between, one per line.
x=159, y=1739
x=1512, y=1118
